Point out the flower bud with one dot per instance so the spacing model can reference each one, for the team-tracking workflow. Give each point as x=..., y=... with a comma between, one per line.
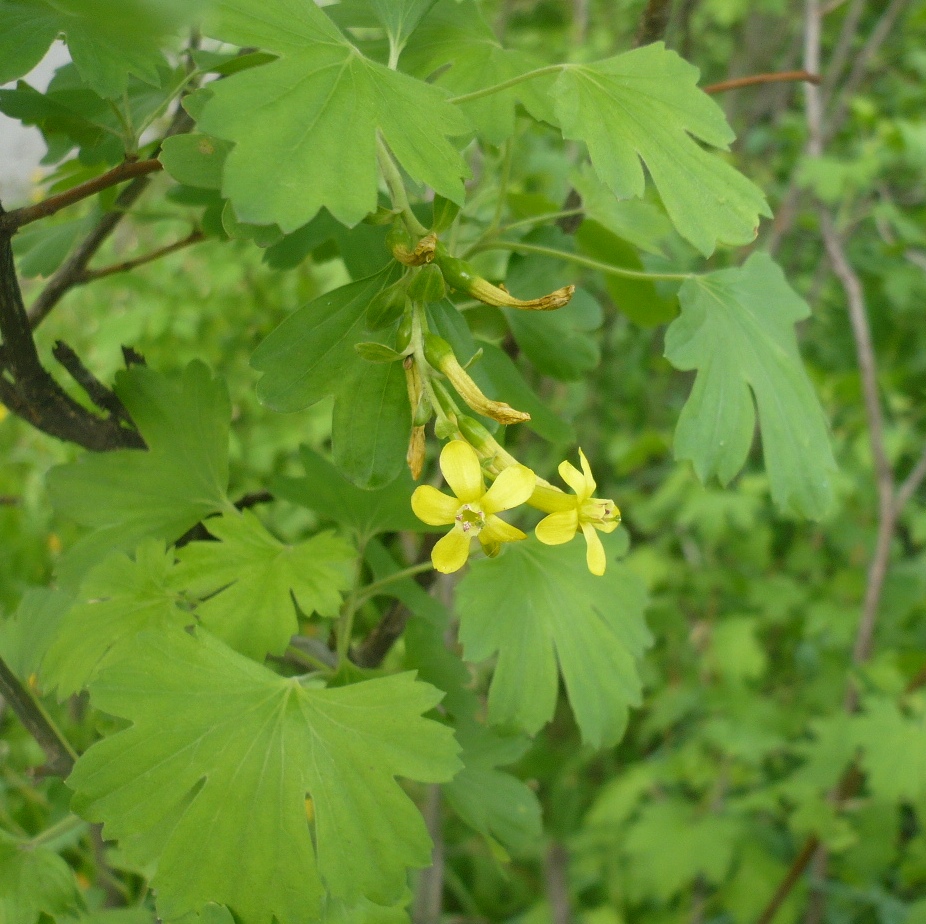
x=400, y=242
x=427, y=285
x=440, y=355
x=415, y=455
x=460, y=275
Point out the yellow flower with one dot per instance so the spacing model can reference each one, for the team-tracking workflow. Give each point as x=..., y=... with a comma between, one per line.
x=569, y=513
x=472, y=511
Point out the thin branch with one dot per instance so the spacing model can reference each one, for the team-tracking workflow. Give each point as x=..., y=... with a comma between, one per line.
x=837, y=60
x=11, y=221
x=10, y=500
x=71, y=272
x=58, y=751
x=839, y=106
x=908, y=488
x=429, y=892
x=753, y=79
x=194, y=237
x=556, y=867
x=373, y=649
x=653, y=22
x=199, y=532
x=105, y=399
x=26, y=387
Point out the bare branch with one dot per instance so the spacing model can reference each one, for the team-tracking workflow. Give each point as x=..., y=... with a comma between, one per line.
x=908, y=488
x=837, y=61
x=556, y=867
x=194, y=237
x=429, y=892
x=653, y=22
x=753, y=79
x=71, y=272
x=11, y=221
x=58, y=751
x=839, y=106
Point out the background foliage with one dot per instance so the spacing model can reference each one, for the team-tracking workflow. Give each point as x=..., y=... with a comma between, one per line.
x=754, y=750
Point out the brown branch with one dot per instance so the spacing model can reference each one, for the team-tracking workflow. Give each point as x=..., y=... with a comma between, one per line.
x=908, y=488
x=837, y=61
x=556, y=867
x=70, y=273
x=429, y=891
x=128, y=170
x=753, y=79
x=194, y=237
x=58, y=751
x=10, y=500
x=790, y=880
x=839, y=106
x=26, y=387
x=653, y=22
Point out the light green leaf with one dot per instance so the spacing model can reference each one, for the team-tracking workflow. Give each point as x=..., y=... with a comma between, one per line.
x=26, y=31
x=217, y=764
x=312, y=351
x=893, y=751
x=735, y=652
x=195, y=159
x=250, y=580
x=41, y=249
x=34, y=882
x=326, y=491
x=538, y=606
x=737, y=330
x=497, y=805
x=638, y=299
x=26, y=636
x=400, y=17
x=670, y=845
x=457, y=34
x=118, y=599
x=131, y=494
x=310, y=120
x=645, y=105
x=371, y=424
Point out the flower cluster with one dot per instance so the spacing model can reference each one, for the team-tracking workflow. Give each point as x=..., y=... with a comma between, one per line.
x=472, y=512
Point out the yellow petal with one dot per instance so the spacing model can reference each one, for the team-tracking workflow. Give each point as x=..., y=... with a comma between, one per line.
x=594, y=554
x=433, y=507
x=551, y=500
x=608, y=526
x=590, y=485
x=497, y=530
x=513, y=486
x=574, y=478
x=558, y=528
x=450, y=553
x=460, y=467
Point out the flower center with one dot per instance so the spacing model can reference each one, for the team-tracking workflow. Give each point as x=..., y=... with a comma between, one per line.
x=470, y=519
x=599, y=510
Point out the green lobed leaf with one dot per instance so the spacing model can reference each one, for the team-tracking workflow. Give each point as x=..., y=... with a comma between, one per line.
x=737, y=329
x=131, y=494
x=893, y=751
x=195, y=159
x=118, y=599
x=400, y=17
x=310, y=120
x=217, y=764
x=34, y=882
x=371, y=424
x=326, y=491
x=645, y=105
x=26, y=32
x=496, y=804
x=312, y=351
x=539, y=608
x=26, y=636
x=456, y=34
x=249, y=580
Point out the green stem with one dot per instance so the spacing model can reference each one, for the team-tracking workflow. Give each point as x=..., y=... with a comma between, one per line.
x=351, y=605
x=502, y=190
x=523, y=223
x=579, y=260
x=397, y=189
x=67, y=825
x=371, y=590
x=308, y=660
x=419, y=328
x=513, y=82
